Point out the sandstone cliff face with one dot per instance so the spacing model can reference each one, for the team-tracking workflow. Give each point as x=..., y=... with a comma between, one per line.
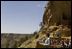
x=57, y=13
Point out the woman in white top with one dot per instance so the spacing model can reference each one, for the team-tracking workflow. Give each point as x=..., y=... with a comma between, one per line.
x=47, y=41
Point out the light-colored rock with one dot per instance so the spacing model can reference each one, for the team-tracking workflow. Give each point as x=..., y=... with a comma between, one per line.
x=65, y=33
x=57, y=12
x=53, y=28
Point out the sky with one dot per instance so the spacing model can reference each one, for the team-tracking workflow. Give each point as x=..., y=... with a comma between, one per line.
x=21, y=17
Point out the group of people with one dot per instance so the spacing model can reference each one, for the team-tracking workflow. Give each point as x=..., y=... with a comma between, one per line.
x=65, y=43
x=55, y=42
x=47, y=42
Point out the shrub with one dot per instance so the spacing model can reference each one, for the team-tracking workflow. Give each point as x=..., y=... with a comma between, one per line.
x=35, y=33
x=41, y=24
x=7, y=45
x=19, y=44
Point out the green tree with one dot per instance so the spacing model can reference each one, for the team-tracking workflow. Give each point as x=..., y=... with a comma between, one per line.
x=35, y=33
x=41, y=24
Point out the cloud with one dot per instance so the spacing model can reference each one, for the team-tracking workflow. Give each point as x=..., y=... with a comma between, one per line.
x=38, y=5
x=43, y=5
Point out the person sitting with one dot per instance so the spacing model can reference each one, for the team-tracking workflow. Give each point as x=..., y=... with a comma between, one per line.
x=62, y=44
x=70, y=44
x=44, y=40
x=67, y=40
x=65, y=43
x=59, y=42
x=51, y=42
x=39, y=41
x=56, y=42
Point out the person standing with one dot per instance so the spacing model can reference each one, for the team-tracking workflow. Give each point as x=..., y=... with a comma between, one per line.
x=47, y=41
x=65, y=43
x=69, y=44
x=62, y=44
x=55, y=34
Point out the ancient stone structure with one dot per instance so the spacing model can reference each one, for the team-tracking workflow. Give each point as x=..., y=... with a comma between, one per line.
x=57, y=13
